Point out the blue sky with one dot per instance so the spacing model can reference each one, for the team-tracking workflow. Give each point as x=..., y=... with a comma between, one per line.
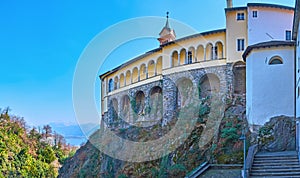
x=41, y=42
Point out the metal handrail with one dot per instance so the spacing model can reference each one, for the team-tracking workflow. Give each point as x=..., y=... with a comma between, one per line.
x=198, y=171
x=250, y=157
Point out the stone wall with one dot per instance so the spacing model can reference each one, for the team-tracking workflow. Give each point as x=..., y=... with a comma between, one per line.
x=170, y=91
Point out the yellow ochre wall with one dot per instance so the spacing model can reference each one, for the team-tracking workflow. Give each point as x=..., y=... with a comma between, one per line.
x=128, y=75
x=235, y=29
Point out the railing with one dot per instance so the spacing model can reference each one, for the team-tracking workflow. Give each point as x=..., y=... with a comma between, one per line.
x=152, y=78
x=196, y=62
x=198, y=171
x=298, y=137
x=249, y=160
x=136, y=84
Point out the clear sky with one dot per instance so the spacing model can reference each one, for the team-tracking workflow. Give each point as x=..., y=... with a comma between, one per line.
x=41, y=42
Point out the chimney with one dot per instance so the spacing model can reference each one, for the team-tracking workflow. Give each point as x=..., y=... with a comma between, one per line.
x=229, y=3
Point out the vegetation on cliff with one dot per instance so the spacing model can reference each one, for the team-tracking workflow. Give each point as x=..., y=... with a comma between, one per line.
x=30, y=152
x=224, y=147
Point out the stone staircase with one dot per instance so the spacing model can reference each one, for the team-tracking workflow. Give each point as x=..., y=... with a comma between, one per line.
x=276, y=164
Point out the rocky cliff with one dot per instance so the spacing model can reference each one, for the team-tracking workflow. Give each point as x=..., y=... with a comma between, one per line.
x=224, y=146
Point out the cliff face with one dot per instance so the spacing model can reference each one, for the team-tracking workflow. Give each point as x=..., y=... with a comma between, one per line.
x=223, y=147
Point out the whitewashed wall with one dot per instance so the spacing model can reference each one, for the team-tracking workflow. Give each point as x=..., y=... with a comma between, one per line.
x=298, y=74
x=272, y=21
x=270, y=88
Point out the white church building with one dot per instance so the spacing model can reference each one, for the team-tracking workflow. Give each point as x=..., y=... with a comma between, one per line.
x=269, y=81
x=296, y=38
x=270, y=65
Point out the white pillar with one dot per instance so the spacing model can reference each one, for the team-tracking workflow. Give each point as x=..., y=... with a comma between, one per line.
x=186, y=56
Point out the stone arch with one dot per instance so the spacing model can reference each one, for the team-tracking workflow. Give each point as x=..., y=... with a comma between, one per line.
x=191, y=55
x=209, y=51
x=218, y=50
x=200, y=53
x=125, y=108
x=239, y=77
x=122, y=80
x=155, y=90
x=110, y=85
x=139, y=107
x=128, y=78
x=116, y=82
x=114, y=109
x=209, y=84
x=182, y=56
x=143, y=72
x=151, y=68
x=184, y=92
x=135, y=75
x=156, y=103
x=159, y=66
x=174, y=59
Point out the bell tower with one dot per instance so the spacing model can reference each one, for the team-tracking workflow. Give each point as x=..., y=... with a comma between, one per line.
x=167, y=34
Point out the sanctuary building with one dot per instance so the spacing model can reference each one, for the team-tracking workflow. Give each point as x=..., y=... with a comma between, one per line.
x=251, y=58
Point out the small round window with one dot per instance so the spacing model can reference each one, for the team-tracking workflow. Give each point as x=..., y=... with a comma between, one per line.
x=275, y=60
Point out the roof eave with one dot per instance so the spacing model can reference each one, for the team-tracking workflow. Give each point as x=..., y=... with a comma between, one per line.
x=235, y=9
x=270, y=6
x=130, y=62
x=268, y=44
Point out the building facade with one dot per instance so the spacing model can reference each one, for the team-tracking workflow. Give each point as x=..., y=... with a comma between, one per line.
x=270, y=81
x=209, y=62
x=296, y=38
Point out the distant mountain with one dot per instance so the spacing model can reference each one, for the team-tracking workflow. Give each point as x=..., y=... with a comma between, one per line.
x=74, y=134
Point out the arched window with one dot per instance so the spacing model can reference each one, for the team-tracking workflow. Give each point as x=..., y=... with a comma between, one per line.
x=275, y=60
x=215, y=52
x=209, y=51
x=183, y=57
x=110, y=85
x=151, y=69
x=159, y=66
x=116, y=83
x=174, y=57
x=190, y=57
x=219, y=50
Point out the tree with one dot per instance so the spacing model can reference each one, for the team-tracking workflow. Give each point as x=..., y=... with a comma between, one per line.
x=46, y=154
x=24, y=153
x=34, y=134
x=59, y=140
x=47, y=130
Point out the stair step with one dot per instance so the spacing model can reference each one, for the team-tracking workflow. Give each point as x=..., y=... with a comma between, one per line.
x=275, y=164
x=276, y=161
x=276, y=174
x=274, y=167
x=275, y=158
x=272, y=154
x=276, y=170
x=290, y=176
